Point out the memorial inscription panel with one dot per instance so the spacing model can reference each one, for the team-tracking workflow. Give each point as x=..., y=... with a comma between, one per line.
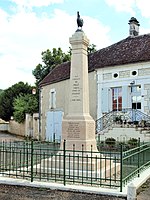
x=73, y=130
x=76, y=91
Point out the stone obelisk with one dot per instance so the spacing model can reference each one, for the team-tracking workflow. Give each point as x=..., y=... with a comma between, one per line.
x=78, y=127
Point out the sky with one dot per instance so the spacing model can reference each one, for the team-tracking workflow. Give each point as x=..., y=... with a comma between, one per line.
x=28, y=27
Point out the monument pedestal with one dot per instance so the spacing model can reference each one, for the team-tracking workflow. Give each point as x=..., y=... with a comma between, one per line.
x=74, y=129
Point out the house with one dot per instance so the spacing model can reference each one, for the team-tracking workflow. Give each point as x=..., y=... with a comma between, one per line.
x=119, y=78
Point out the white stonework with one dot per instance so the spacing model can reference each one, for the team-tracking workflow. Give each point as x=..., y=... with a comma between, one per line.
x=124, y=74
x=78, y=127
x=107, y=76
x=144, y=72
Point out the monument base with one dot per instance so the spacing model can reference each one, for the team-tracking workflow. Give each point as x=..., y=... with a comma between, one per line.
x=79, y=133
x=84, y=167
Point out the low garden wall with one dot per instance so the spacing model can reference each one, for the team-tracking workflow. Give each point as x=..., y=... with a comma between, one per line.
x=4, y=127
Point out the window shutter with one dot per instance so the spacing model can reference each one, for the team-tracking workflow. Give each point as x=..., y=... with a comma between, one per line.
x=105, y=99
x=125, y=97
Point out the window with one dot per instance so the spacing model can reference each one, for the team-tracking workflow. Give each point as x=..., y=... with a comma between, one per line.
x=117, y=99
x=136, y=89
x=136, y=97
x=134, y=73
x=52, y=99
x=115, y=75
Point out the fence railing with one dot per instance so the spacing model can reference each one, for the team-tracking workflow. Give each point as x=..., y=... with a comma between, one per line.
x=134, y=161
x=47, y=162
x=127, y=115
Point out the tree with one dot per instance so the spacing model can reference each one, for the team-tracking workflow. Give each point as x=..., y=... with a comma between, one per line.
x=8, y=96
x=91, y=48
x=50, y=59
x=1, y=91
x=24, y=104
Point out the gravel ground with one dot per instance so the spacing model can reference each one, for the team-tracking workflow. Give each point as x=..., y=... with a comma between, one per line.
x=8, y=192
x=144, y=191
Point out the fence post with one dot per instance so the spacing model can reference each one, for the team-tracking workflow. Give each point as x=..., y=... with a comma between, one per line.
x=99, y=141
x=139, y=157
x=131, y=192
x=32, y=160
x=64, y=160
x=121, y=166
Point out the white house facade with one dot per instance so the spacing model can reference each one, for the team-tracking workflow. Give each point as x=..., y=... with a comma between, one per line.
x=125, y=86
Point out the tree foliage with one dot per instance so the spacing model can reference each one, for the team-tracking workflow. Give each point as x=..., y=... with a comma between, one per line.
x=50, y=59
x=24, y=104
x=133, y=142
x=8, y=96
x=110, y=141
x=91, y=48
x=1, y=91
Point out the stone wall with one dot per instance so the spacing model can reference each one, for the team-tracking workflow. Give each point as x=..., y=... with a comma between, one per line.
x=4, y=126
x=16, y=128
x=30, y=128
x=36, y=126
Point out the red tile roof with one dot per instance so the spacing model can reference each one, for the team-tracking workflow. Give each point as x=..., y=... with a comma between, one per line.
x=130, y=50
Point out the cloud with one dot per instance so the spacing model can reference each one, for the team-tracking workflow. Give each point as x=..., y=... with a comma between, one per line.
x=35, y=3
x=24, y=35
x=101, y=32
x=129, y=6
x=143, y=6
x=122, y=5
x=10, y=72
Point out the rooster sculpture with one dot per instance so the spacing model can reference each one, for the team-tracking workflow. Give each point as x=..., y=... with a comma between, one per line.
x=79, y=20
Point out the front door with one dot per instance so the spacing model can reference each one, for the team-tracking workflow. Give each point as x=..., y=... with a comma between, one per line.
x=53, y=126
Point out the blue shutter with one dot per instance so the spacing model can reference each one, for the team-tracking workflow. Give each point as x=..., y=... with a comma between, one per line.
x=53, y=125
x=124, y=96
x=105, y=100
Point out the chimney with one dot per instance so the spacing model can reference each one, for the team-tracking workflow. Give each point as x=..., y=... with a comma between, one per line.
x=133, y=27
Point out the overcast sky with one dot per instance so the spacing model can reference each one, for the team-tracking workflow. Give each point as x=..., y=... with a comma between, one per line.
x=28, y=27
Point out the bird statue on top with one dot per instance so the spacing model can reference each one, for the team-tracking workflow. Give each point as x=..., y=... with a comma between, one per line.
x=79, y=21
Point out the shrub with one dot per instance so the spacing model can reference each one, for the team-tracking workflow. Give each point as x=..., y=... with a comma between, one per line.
x=110, y=141
x=133, y=142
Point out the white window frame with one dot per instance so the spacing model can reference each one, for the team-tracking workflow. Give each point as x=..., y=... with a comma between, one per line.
x=52, y=99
